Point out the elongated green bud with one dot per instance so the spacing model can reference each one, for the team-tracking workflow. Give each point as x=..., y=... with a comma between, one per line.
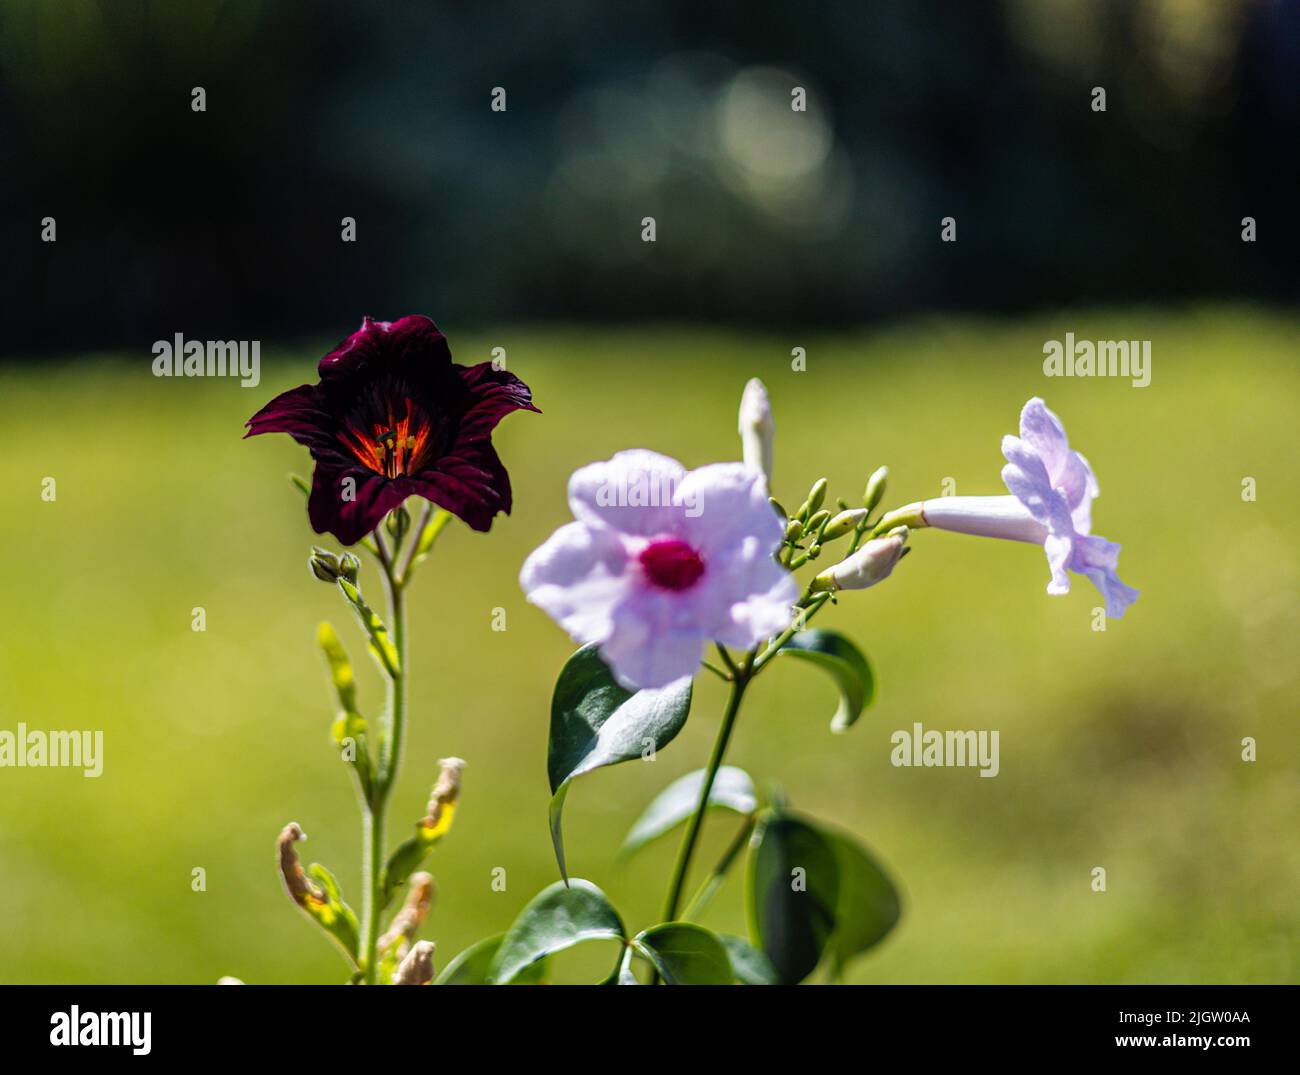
x=776, y=507
x=794, y=531
x=815, y=497
x=815, y=523
x=844, y=522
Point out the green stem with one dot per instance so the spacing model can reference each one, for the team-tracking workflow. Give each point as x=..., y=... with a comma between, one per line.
x=372, y=854
x=687, y=850
x=712, y=883
x=390, y=760
x=810, y=604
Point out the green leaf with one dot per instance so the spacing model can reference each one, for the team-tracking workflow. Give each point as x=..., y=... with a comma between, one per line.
x=401, y=864
x=685, y=954
x=868, y=906
x=380, y=645
x=732, y=790
x=429, y=830
x=558, y=917
x=793, y=890
x=326, y=906
x=424, y=542
x=596, y=722
x=846, y=664
x=750, y=966
x=471, y=966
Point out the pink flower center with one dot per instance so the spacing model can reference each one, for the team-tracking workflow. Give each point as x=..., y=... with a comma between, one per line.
x=671, y=564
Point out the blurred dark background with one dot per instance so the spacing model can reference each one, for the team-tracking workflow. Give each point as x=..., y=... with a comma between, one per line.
x=226, y=223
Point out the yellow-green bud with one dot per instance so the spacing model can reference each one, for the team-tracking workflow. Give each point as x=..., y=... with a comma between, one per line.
x=844, y=522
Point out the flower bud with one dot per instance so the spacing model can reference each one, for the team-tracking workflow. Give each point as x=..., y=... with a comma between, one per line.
x=417, y=967
x=794, y=531
x=324, y=564
x=442, y=801
x=869, y=565
x=815, y=497
x=844, y=522
x=757, y=429
x=349, y=565
x=300, y=890
x=419, y=895
x=875, y=488
x=398, y=523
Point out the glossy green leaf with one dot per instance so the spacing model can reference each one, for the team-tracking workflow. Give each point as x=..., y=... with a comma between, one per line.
x=685, y=954
x=596, y=722
x=847, y=666
x=558, y=917
x=868, y=906
x=793, y=893
x=732, y=790
x=471, y=967
x=750, y=966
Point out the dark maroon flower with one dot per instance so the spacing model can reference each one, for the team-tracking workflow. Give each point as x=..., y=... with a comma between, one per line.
x=394, y=417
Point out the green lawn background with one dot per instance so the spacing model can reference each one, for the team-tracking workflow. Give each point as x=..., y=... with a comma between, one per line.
x=1118, y=749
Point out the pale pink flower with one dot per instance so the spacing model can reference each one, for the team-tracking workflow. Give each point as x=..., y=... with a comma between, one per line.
x=660, y=560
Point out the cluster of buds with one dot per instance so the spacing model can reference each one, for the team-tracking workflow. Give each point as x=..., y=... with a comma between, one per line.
x=814, y=526
x=330, y=567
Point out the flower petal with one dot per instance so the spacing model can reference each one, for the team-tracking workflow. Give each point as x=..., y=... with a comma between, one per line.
x=470, y=482
x=1077, y=484
x=1026, y=477
x=763, y=613
x=493, y=394
x=410, y=344
x=631, y=492
x=652, y=643
x=576, y=577
x=724, y=504
x=1098, y=559
x=1043, y=432
x=349, y=509
x=1058, y=548
x=297, y=412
